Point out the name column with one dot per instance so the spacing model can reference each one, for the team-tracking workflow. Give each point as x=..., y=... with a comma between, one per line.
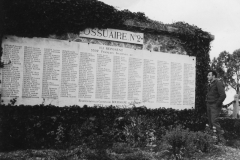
x=11, y=72
x=51, y=73
x=31, y=72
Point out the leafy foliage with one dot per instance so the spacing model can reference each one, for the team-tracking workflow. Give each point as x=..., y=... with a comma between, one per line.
x=110, y=133
x=28, y=18
x=39, y=126
x=184, y=143
x=228, y=67
x=231, y=127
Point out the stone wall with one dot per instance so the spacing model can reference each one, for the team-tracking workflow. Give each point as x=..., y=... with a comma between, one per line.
x=152, y=42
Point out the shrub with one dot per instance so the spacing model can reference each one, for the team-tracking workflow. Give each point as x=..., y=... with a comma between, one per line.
x=231, y=127
x=137, y=133
x=92, y=134
x=179, y=142
x=122, y=148
x=39, y=126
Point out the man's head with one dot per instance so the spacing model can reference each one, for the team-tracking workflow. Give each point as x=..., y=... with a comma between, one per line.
x=212, y=75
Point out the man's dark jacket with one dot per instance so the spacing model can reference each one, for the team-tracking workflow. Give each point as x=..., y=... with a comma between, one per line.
x=216, y=93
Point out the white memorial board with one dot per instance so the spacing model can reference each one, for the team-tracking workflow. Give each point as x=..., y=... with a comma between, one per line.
x=48, y=71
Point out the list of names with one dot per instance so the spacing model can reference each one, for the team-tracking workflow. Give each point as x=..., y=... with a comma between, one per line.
x=73, y=73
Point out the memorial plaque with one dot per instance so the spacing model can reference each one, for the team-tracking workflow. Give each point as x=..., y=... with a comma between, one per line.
x=63, y=73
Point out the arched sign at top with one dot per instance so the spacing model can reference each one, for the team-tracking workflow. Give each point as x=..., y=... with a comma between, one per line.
x=113, y=35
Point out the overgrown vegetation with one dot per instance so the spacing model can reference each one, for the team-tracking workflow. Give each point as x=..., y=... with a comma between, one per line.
x=108, y=132
x=104, y=133
x=29, y=18
x=228, y=65
x=38, y=126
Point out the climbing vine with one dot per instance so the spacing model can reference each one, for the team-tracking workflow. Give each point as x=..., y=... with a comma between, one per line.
x=41, y=18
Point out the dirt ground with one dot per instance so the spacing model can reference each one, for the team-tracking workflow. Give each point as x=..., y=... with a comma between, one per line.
x=223, y=153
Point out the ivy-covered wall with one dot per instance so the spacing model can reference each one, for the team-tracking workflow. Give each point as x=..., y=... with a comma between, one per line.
x=64, y=19
x=152, y=42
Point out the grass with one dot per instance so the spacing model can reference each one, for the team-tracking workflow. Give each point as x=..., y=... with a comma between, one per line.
x=119, y=152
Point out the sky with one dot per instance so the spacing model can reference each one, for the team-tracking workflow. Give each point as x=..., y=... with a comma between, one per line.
x=221, y=18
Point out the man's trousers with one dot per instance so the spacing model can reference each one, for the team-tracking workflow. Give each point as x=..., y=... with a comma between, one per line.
x=213, y=112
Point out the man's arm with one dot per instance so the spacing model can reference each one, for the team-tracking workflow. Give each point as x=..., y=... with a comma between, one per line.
x=221, y=92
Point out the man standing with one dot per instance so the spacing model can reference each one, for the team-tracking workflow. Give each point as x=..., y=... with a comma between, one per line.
x=215, y=96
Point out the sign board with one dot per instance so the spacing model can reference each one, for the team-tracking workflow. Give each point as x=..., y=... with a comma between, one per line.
x=113, y=35
x=47, y=71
